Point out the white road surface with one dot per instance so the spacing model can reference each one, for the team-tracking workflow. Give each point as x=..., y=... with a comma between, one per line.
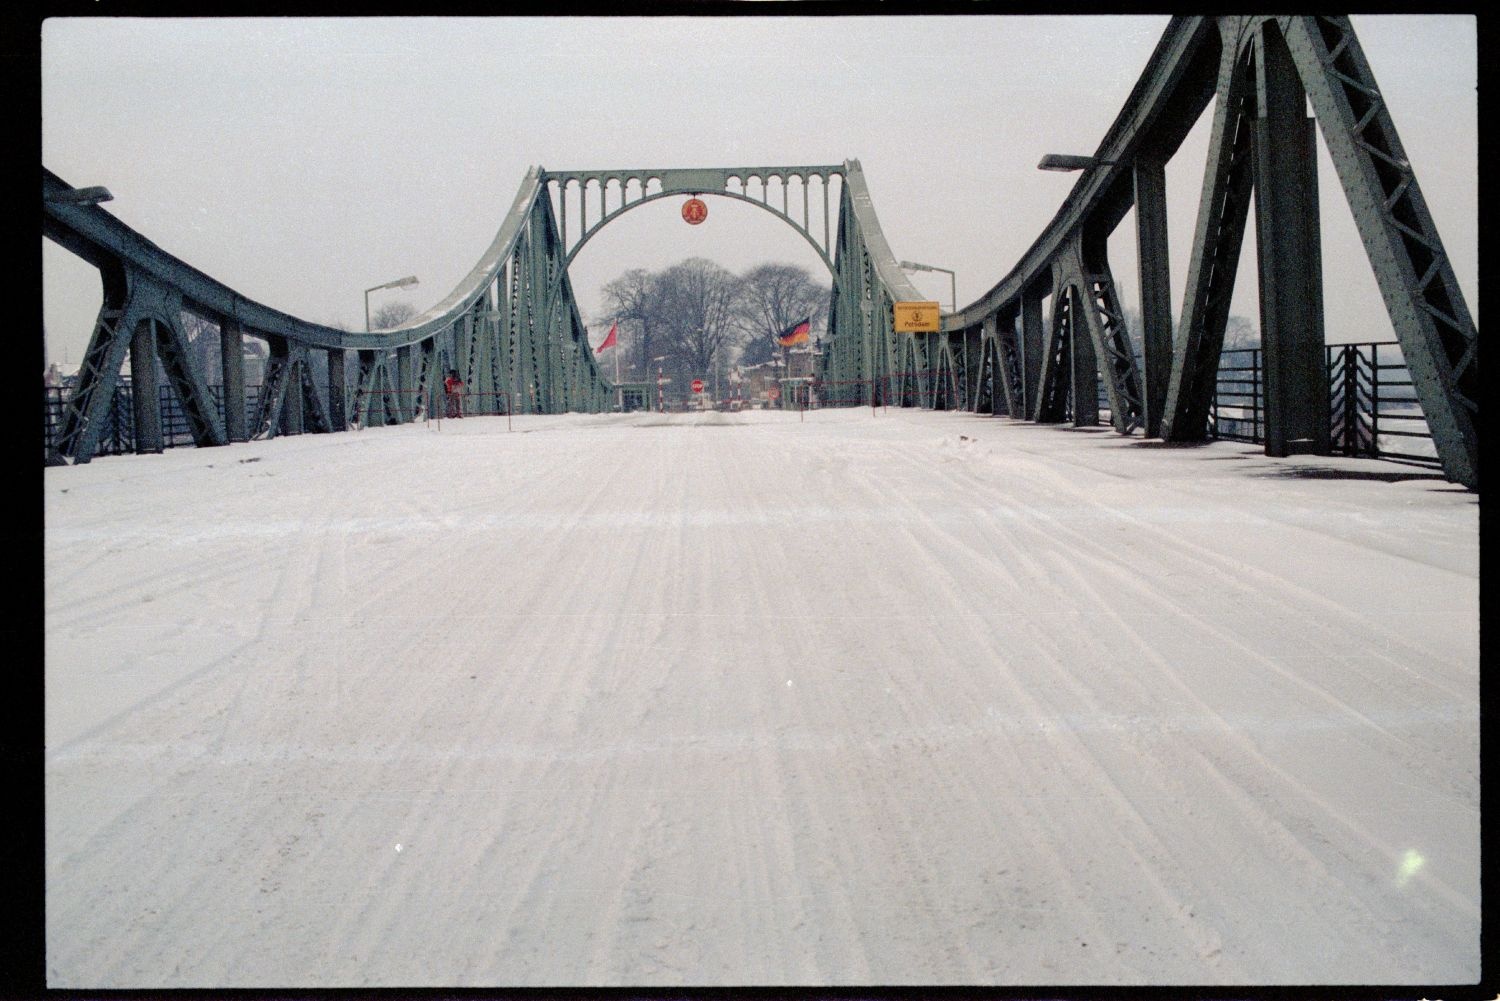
x=915, y=698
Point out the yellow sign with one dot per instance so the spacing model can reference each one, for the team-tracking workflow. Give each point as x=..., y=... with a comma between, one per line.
x=917, y=317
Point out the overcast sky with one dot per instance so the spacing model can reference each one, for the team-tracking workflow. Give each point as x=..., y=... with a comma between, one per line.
x=302, y=161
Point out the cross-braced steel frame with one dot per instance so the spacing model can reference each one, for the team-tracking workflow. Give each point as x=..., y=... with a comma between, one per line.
x=511, y=328
x=513, y=331
x=1260, y=72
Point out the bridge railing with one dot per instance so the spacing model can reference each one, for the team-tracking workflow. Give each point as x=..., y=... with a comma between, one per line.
x=1373, y=404
x=1261, y=73
x=1374, y=410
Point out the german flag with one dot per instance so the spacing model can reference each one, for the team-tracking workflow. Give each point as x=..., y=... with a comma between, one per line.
x=797, y=333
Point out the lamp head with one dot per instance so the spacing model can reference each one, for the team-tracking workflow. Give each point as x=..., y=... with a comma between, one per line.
x=1067, y=162
x=82, y=196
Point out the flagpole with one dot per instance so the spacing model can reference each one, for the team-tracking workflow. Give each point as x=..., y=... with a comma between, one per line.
x=619, y=390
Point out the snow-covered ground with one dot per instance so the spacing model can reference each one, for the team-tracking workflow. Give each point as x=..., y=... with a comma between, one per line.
x=700, y=699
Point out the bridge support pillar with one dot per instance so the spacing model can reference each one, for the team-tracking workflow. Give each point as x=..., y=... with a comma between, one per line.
x=144, y=391
x=232, y=367
x=292, y=415
x=1156, y=290
x=1289, y=258
x=973, y=348
x=405, y=382
x=1031, y=348
x=1085, y=362
x=338, y=413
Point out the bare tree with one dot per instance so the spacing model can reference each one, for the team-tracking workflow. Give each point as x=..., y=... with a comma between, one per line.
x=775, y=296
x=700, y=300
x=392, y=314
x=635, y=298
x=1240, y=332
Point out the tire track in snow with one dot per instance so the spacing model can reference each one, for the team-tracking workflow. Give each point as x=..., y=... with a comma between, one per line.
x=1285, y=594
x=1107, y=561
x=1106, y=565
x=1081, y=763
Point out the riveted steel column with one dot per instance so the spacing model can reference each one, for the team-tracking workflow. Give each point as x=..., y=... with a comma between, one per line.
x=405, y=401
x=1084, y=366
x=367, y=385
x=1223, y=208
x=1156, y=287
x=232, y=366
x=1007, y=394
x=986, y=368
x=973, y=348
x=93, y=396
x=1439, y=342
x=292, y=407
x=145, y=396
x=1290, y=262
x=1032, y=330
x=338, y=413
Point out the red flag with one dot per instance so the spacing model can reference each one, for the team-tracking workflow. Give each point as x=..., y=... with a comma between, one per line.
x=609, y=341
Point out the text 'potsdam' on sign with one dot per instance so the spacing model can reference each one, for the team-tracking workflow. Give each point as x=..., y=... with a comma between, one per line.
x=917, y=317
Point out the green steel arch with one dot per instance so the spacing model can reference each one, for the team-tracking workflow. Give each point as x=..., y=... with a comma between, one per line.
x=863, y=349
x=513, y=329
x=678, y=182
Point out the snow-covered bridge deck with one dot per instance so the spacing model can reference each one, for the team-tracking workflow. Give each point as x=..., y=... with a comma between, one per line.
x=910, y=698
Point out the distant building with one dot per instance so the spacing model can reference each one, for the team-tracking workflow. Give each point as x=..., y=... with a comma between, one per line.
x=802, y=361
x=757, y=380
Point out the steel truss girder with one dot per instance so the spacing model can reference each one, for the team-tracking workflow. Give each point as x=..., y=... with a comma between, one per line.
x=949, y=390
x=565, y=375
x=944, y=393
x=1431, y=320
x=373, y=398
x=1439, y=341
x=1077, y=337
x=1007, y=362
x=987, y=400
x=141, y=316
x=1223, y=210
x=289, y=400
x=1057, y=359
x=1086, y=267
x=1200, y=59
x=867, y=282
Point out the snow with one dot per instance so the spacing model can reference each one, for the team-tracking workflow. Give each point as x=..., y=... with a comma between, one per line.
x=903, y=698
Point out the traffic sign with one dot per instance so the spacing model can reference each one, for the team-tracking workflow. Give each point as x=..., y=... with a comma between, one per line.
x=774, y=392
x=697, y=385
x=917, y=317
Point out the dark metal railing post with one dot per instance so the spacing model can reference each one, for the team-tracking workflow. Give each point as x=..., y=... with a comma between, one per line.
x=1350, y=354
x=1213, y=410
x=1256, y=431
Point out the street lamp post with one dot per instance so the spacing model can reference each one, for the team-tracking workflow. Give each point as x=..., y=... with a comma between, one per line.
x=952, y=281
x=406, y=282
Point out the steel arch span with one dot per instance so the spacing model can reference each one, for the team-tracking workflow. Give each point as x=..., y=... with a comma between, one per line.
x=513, y=330
x=511, y=327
